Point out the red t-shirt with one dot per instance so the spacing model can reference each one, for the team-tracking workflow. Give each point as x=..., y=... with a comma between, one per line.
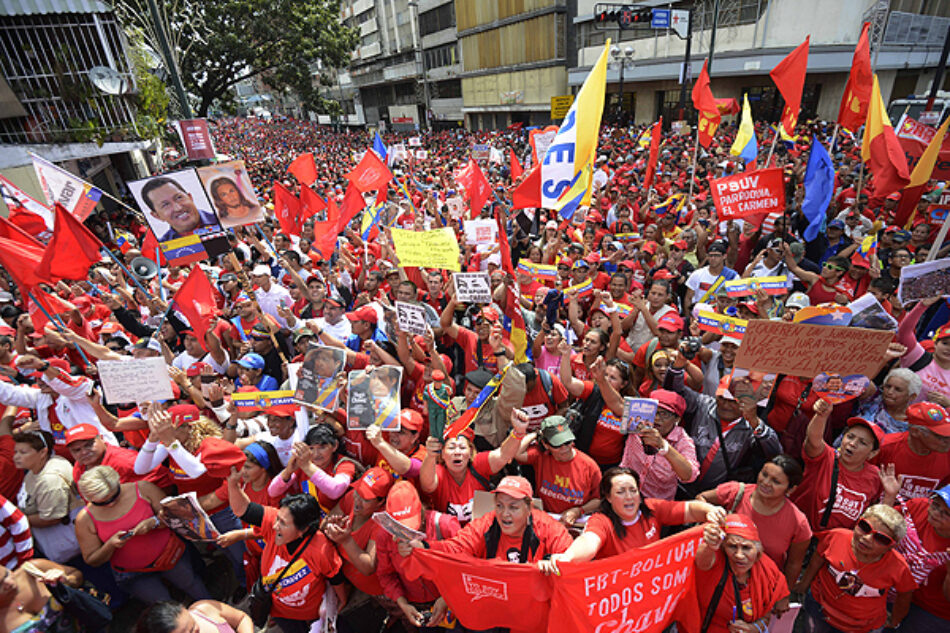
x=580, y=370
x=606, y=445
x=927, y=554
x=766, y=586
x=643, y=531
x=300, y=591
x=342, y=467
x=778, y=531
x=218, y=456
x=123, y=461
x=919, y=474
x=856, y=491
x=564, y=485
x=10, y=476
x=454, y=498
x=842, y=608
x=469, y=343
x=537, y=404
x=553, y=538
x=367, y=584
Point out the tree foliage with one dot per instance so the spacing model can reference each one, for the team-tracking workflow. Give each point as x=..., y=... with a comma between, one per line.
x=219, y=43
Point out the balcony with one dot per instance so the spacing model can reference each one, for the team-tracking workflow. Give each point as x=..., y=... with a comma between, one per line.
x=362, y=6
x=400, y=71
x=367, y=27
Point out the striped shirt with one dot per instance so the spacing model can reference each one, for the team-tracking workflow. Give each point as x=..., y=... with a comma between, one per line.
x=16, y=542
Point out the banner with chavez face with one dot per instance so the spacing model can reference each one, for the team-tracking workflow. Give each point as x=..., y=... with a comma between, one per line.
x=749, y=193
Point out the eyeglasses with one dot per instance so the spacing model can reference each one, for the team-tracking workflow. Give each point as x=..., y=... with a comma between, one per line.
x=879, y=537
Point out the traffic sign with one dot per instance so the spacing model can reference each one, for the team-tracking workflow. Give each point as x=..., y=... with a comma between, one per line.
x=661, y=19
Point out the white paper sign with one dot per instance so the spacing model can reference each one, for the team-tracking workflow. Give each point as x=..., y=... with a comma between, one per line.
x=472, y=287
x=415, y=141
x=481, y=231
x=410, y=318
x=422, y=154
x=138, y=381
x=455, y=205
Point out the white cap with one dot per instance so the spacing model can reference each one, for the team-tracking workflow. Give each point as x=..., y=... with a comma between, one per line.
x=731, y=339
x=261, y=270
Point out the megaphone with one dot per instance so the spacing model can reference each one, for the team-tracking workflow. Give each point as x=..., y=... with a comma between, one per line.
x=143, y=268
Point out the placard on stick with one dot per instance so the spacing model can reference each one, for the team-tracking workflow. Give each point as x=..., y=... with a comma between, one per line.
x=138, y=381
x=805, y=350
x=410, y=318
x=472, y=287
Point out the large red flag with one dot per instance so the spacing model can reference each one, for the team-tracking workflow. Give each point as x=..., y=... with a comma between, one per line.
x=515, y=168
x=476, y=186
x=11, y=231
x=654, y=153
x=371, y=174
x=527, y=195
x=919, y=179
x=853, y=111
x=789, y=78
x=287, y=209
x=353, y=203
x=326, y=233
x=51, y=303
x=72, y=249
x=32, y=223
x=21, y=261
x=149, y=248
x=304, y=169
x=705, y=103
x=195, y=299
x=311, y=204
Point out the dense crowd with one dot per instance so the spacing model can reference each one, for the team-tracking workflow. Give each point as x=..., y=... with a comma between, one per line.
x=841, y=504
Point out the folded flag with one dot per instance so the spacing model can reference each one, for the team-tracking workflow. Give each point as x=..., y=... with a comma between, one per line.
x=582, y=289
x=824, y=314
x=672, y=204
x=254, y=400
x=623, y=309
x=627, y=238
x=468, y=416
x=541, y=272
x=776, y=285
x=721, y=324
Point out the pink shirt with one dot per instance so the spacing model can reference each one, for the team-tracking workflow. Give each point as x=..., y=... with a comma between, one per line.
x=932, y=377
x=657, y=479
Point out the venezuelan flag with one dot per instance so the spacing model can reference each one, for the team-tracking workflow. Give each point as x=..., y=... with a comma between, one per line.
x=468, y=416
x=573, y=197
x=745, y=145
x=788, y=140
x=262, y=399
x=645, y=137
x=514, y=324
x=721, y=324
x=824, y=314
x=541, y=272
x=583, y=289
x=674, y=203
x=370, y=219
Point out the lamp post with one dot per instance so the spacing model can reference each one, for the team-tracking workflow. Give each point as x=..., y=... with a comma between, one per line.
x=621, y=57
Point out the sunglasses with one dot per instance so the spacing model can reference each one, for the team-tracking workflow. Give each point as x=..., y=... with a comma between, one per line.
x=833, y=267
x=111, y=499
x=879, y=537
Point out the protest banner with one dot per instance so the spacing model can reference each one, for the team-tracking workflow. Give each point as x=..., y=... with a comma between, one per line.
x=415, y=141
x=230, y=190
x=472, y=287
x=429, y=249
x=259, y=400
x=183, y=515
x=637, y=413
x=835, y=388
x=481, y=231
x=373, y=398
x=481, y=151
x=643, y=590
x=721, y=324
x=777, y=285
x=923, y=281
x=799, y=349
x=138, y=381
x=321, y=377
x=748, y=193
x=411, y=318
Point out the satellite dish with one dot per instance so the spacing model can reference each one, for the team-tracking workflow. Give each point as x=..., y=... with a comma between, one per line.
x=107, y=80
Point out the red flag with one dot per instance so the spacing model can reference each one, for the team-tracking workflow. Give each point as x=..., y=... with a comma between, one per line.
x=11, y=231
x=371, y=174
x=789, y=78
x=52, y=303
x=516, y=169
x=654, y=153
x=195, y=299
x=853, y=111
x=30, y=222
x=149, y=246
x=21, y=261
x=310, y=203
x=527, y=195
x=353, y=203
x=287, y=209
x=476, y=186
x=304, y=169
x=325, y=233
x=706, y=104
x=919, y=179
x=72, y=249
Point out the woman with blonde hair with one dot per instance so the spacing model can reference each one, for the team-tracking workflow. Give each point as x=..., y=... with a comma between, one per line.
x=119, y=525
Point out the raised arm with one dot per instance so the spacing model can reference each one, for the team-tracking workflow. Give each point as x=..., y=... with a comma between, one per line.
x=815, y=433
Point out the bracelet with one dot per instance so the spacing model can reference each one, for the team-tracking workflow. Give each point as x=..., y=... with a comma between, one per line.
x=517, y=436
x=501, y=353
x=665, y=449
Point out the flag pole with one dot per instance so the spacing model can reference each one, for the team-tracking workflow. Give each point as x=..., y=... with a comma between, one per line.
x=158, y=262
x=59, y=326
x=834, y=137
x=127, y=272
x=941, y=236
x=768, y=160
x=692, y=175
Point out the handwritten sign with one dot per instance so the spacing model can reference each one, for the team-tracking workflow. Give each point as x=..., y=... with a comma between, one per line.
x=410, y=318
x=472, y=287
x=138, y=381
x=430, y=249
x=749, y=193
x=805, y=350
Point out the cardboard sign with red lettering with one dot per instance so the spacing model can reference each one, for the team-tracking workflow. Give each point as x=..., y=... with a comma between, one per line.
x=756, y=192
x=196, y=138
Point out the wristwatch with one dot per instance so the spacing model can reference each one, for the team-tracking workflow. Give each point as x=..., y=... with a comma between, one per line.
x=665, y=449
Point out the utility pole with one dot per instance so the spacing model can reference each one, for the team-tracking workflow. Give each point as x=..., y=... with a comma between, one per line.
x=169, y=60
x=712, y=37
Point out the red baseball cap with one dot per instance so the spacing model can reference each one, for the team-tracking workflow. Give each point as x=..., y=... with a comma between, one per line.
x=663, y=274
x=930, y=415
x=183, y=414
x=739, y=525
x=517, y=487
x=374, y=484
x=875, y=430
x=680, y=244
x=195, y=369
x=410, y=419
x=282, y=410
x=649, y=247
x=404, y=505
x=627, y=263
x=489, y=314
x=366, y=313
x=81, y=432
x=943, y=332
x=671, y=322
x=669, y=400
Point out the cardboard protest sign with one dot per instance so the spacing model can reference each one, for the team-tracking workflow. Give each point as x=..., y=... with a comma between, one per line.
x=428, y=249
x=748, y=193
x=321, y=377
x=923, y=281
x=800, y=349
x=181, y=216
x=481, y=231
x=229, y=188
x=472, y=287
x=777, y=285
x=138, y=381
x=410, y=318
x=373, y=398
x=637, y=413
x=183, y=516
x=835, y=388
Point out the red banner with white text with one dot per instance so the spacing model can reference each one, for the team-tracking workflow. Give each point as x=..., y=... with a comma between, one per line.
x=748, y=193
